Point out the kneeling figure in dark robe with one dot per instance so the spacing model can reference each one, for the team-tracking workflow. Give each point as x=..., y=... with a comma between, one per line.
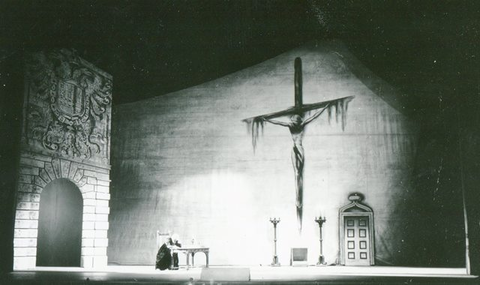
x=164, y=257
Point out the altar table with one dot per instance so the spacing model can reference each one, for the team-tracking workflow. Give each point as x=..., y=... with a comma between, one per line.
x=192, y=251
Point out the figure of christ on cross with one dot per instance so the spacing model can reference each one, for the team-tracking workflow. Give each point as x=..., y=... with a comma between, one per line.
x=297, y=125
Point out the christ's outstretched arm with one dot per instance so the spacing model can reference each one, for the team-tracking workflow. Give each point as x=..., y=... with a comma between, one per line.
x=316, y=115
x=275, y=122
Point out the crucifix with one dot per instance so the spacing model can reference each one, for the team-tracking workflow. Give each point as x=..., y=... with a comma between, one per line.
x=300, y=117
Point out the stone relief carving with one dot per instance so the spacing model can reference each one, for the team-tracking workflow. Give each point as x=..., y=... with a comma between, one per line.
x=68, y=105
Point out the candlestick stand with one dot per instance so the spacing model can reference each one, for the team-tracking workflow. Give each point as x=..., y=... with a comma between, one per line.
x=275, y=221
x=321, y=258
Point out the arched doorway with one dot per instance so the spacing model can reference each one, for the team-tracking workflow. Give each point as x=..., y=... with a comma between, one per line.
x=356, y=233
x=60, y=225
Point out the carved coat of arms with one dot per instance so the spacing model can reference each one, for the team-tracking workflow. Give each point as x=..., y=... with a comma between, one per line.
x=66, y=105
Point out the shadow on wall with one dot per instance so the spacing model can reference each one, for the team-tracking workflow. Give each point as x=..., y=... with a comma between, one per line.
x=11, y=100
x=432, y=229
x=122, y=203
x=434, y=232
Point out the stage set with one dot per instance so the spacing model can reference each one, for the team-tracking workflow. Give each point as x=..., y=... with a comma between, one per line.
x=306, y=167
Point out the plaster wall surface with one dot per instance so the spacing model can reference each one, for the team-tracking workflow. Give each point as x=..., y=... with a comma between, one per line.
x=184, y=163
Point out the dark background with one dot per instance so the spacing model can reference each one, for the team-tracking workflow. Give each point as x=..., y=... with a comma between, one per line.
x=424, y=48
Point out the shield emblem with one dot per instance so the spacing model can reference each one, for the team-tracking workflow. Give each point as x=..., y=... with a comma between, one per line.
x=71, y=98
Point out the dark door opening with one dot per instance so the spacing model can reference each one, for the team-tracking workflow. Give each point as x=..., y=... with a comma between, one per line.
x=59, y=241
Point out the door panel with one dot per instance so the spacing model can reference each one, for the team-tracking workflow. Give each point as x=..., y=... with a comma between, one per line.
x=60, y=225
x=357, y=245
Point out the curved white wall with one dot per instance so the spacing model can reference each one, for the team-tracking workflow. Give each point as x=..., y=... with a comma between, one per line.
x=184, y=162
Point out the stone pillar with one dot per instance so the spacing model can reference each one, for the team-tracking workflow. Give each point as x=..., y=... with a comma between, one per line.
x=65, y=134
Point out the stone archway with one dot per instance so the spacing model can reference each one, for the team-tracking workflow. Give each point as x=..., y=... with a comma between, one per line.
x=37, y=171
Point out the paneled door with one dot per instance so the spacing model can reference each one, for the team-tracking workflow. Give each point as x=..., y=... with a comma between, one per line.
x=357, y=240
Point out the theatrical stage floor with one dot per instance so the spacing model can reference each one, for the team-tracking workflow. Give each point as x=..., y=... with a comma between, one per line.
x=229, y=275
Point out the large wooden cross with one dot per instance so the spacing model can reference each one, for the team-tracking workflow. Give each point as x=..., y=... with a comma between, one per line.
x=296, y=126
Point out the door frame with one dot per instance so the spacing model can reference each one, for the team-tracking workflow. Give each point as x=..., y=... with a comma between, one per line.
x=356, y=209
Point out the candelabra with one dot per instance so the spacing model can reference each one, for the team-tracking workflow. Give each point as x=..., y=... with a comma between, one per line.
x=321, y=258
x=275, y=221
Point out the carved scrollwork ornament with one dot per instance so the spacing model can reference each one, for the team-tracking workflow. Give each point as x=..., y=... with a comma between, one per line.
x=72, y=99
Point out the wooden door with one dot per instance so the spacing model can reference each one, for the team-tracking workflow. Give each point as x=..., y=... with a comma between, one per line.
x=357, y=240
x=60, y=225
